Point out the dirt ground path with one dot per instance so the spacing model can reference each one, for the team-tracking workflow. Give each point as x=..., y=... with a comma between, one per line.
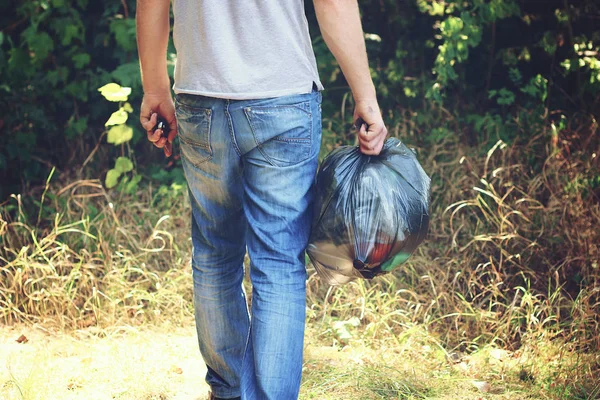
x=119, y=363
x=146, y=363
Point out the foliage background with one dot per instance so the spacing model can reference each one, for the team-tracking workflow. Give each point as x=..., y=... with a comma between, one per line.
x=480, y=62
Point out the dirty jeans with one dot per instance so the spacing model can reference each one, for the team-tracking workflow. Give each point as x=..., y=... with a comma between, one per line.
x=250, y=168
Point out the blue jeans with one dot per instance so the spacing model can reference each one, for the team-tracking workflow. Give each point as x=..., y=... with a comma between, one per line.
x=250, y=167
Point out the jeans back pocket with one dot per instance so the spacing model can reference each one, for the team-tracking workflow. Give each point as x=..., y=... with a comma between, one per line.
x=193, y=125
x=283, y=133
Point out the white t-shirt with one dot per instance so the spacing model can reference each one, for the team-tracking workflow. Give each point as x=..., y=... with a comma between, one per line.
x=243, y=49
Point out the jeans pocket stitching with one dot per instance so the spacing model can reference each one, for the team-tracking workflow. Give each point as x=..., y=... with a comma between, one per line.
x=302, y=106
x=192, y=143
x=305, y=142
x=253, y=130
x=180, y=103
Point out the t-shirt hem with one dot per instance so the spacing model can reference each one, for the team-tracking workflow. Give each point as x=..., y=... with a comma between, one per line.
x=248, y=96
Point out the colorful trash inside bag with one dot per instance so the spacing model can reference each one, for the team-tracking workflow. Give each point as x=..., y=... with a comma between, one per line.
x=371, y=212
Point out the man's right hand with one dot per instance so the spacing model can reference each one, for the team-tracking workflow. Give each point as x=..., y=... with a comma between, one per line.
x=152, y=33
x=152, y=106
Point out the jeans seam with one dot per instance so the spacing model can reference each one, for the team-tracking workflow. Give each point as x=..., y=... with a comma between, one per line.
x=231, y=131
x=258, y=144
x=297, y=106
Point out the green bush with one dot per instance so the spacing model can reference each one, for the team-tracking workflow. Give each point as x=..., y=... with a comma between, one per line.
x=54, y=55
x=473, y=71
x=481, y=62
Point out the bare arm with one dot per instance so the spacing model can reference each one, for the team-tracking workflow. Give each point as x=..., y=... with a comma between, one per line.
x=341, y=28
x=152, y=26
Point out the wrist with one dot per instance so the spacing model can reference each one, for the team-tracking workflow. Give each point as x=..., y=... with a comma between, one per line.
x=157, y=90
x=369, y=104
x=365, y=95
x=156, y=85
x=158, y=93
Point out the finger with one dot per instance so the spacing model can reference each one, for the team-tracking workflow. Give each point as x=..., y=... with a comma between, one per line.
x=144, y=116
x=380, y=142
x=369, y=135
x=144, y=120
x=154, y=136
x=149, y=123
x=160, y=143
x=367, y=150
x=367, y=147
x=359, y=123
x=374, y=144
x=173, y=132
x=168, y=149
x=363, y=134
x=379, y=145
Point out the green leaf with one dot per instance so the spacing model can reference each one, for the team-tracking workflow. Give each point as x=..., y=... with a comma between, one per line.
x=57, y=75
x=40, y=44
x=115, y=92
x=124, y=32
x=80, y=60
x=19, y=62
x=127, y=107
x=118, y=117
x=119, y=134
x=505, y=97
x=132, y=185
x=123, y=164
x=66, y=30
x=161, y=176
x=112, y=178
x=76, y=126
x=515, y=76
x=78, y=89
x=128, y=74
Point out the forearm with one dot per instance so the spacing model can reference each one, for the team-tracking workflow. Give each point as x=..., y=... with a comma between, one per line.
x=152, y=27
x=341, y=28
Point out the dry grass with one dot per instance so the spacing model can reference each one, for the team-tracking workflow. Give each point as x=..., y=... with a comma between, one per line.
x=512, y=261
x=98, y=260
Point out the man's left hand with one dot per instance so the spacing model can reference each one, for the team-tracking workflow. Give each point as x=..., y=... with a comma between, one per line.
x=372, y=131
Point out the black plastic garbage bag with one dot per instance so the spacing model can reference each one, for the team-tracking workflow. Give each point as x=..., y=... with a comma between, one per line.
x=371, y=212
